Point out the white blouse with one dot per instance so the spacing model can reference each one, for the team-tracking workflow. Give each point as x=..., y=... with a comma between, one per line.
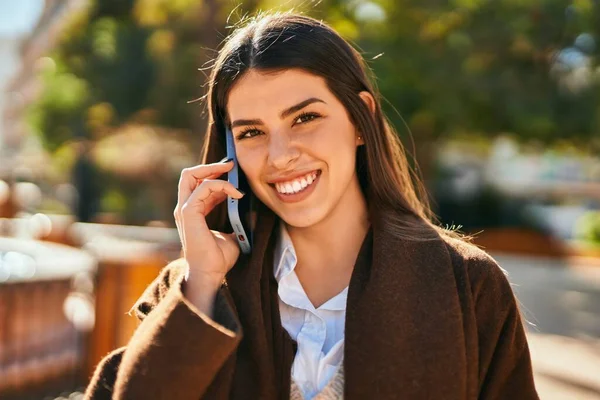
x=319, y=332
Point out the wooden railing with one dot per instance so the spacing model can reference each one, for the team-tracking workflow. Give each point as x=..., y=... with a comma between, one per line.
x=129, y=258
x=43, y=302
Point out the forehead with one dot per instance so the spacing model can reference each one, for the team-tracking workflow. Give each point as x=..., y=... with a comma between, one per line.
x=258, y=93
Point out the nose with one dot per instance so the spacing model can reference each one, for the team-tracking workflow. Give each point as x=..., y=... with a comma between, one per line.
x=282, y=151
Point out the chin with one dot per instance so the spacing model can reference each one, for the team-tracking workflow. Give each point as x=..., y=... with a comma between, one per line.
x=302, y=219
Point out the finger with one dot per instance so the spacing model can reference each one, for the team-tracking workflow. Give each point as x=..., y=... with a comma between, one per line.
x=199, y=199
x=194, y=211
x=183, y=195
x=212, y=201
x=181, y=233
x=202, y=171
x=191, y=177
x=197, y=236
x=179, y=230
x=177, y=211
x=228, y=241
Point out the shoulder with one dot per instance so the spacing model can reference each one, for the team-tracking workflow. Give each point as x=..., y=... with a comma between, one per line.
x=477, y=268
x=171, y=275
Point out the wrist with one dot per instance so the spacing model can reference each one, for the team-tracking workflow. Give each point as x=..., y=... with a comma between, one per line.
x=201, y=289
x=203, y=279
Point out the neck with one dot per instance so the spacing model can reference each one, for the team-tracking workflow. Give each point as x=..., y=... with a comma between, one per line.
x=333, y=244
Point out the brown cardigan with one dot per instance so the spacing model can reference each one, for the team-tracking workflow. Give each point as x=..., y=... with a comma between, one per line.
x=432, y=319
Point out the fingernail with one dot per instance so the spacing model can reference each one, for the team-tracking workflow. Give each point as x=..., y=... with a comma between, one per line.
x=242, y=192
x=226, y=160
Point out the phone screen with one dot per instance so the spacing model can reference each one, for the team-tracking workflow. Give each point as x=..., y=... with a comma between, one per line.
x=239, y=211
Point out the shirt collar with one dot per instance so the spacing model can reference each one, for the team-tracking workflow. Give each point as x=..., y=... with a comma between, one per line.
x=284, y=255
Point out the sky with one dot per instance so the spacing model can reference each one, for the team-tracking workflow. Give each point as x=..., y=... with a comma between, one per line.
x=19, y=16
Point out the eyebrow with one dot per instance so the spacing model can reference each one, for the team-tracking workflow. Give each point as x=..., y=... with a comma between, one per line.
x=285, y=113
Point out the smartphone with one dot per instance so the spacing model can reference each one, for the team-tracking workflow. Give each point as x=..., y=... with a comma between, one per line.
x=238, y=211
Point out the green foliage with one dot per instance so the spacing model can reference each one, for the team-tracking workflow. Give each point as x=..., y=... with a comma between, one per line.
x=114, y=59
x=484, y=66
x=469, y=64
x=114, y=201
x=587, y=227
x=457, y=66
x=64, y=95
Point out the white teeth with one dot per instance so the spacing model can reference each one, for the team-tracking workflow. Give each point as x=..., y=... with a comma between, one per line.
x=296, y=185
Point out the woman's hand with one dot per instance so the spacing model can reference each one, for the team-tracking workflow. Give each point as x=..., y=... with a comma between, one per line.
x=209, y=254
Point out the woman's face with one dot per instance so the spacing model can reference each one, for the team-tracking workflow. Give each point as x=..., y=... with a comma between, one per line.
x=295, y=143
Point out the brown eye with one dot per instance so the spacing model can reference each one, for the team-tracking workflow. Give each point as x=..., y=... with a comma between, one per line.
x=248, y=133
x=306, y=117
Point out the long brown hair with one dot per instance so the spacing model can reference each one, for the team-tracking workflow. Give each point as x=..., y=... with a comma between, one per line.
x=279, y=41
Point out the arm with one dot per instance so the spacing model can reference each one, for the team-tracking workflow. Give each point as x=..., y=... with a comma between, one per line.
x=176, y=351
x=505, y=369
x=102, y=384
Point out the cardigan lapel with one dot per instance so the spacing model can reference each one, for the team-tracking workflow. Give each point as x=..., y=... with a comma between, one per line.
x=257, y=373
x=404, y=333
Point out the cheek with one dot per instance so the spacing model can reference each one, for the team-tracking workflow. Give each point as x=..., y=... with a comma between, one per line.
x=334, y=141
x=249, y=160
x=337, y=131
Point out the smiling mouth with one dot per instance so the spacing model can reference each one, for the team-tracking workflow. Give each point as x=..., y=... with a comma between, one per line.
x=297, y=185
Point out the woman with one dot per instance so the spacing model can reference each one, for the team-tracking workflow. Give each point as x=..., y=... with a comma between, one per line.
x=351, y=291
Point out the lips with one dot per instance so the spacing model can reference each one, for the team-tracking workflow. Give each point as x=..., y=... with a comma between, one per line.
x=296, y=185
x=297, y=189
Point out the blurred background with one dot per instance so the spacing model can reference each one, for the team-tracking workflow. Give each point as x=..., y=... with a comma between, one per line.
x=498, y=101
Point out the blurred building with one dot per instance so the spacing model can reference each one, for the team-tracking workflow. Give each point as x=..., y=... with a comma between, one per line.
x=8, y=55
x=24, y=85
x=504, y=183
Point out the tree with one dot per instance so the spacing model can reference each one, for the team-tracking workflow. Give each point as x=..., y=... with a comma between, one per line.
x=446, y=68
x=123, y=61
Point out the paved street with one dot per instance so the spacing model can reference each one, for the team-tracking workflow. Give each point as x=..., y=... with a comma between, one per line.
x=561, y=301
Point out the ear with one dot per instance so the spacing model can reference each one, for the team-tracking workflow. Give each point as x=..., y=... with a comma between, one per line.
x=370, y=102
